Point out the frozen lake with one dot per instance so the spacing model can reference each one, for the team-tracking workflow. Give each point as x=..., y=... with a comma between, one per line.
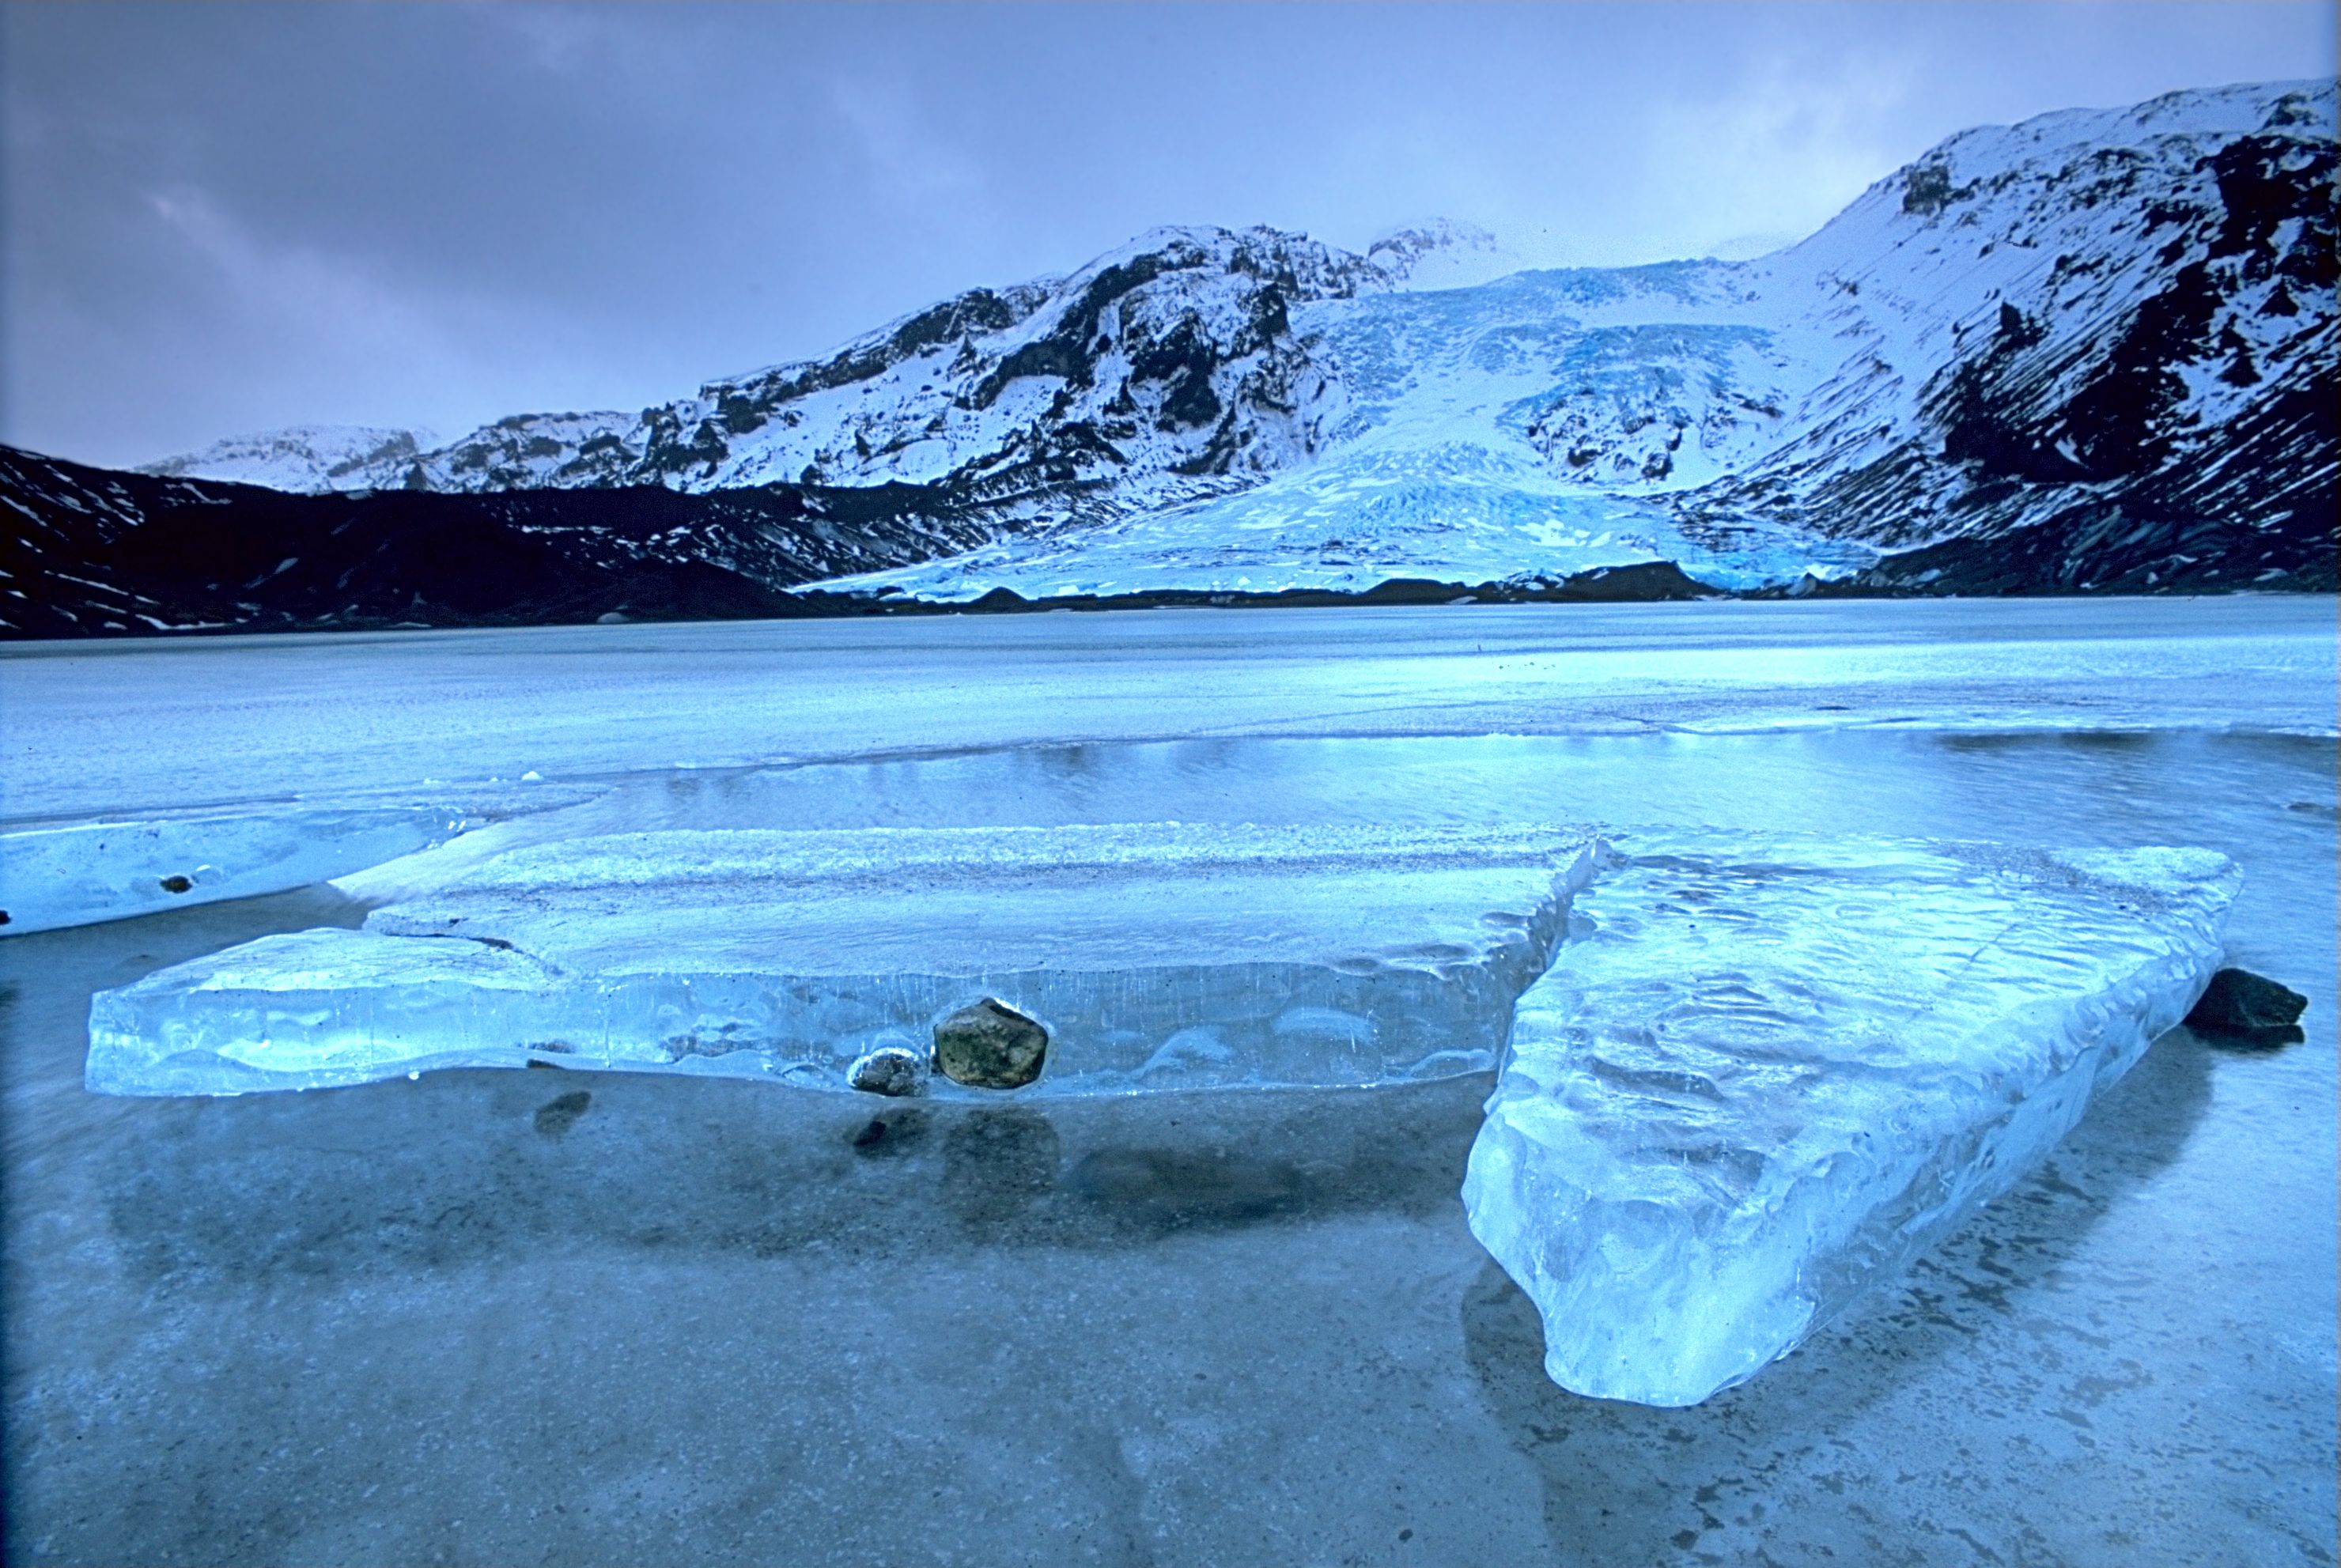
x=127, y=726
x=499, y=1317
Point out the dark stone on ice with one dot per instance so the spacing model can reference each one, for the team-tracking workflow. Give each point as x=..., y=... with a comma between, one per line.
x=175, y=883
x=894, y=1070
x=2241, y=1005
x=990, y=1046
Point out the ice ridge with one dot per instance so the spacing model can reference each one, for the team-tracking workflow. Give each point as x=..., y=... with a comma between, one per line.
x=1158, y=957
x=1774, y=1072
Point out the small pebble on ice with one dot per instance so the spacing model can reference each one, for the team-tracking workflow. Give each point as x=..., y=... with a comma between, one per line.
x=894, y=1070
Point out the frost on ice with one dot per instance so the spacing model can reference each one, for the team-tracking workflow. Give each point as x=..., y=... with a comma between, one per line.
x=1774, y=1072
x=1155, y=956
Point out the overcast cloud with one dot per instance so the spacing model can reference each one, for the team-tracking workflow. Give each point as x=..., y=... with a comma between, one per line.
x=226, y=218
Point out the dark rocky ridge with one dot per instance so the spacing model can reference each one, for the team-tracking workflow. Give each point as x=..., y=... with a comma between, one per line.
x=101, y=553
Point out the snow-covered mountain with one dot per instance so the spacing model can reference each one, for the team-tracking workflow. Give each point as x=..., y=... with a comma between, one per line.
x=1170, y=358
x=310, y=457
x=2096, y=349
x=2099, y=345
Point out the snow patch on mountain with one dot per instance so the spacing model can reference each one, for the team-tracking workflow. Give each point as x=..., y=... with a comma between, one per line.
x=1441, y=254
x=312, y=458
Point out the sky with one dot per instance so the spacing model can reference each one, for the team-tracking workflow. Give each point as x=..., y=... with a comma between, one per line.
x=229, y=218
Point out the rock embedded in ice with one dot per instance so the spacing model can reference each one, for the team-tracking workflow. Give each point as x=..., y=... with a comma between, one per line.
x=892, y=1070
x=1160, y=956
x=989, y=1045
x=1774, y=1071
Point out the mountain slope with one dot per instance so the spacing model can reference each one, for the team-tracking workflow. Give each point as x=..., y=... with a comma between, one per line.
x=2117, y=327
x=311, y=458
x=2098, y=349
x=1170, y=358
x=98, y=553
x=2084, y=316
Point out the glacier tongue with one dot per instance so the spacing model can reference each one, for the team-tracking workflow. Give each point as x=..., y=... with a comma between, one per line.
x=1160, y=956
x=1774, y=1072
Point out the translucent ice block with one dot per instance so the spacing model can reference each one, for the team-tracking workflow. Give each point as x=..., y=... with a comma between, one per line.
x=1156, y=955
x=87, y=872
x=1776, y=1071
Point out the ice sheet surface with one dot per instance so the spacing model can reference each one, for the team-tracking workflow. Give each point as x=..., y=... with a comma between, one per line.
x=1158, y=955
x=1778, y=1069
x=326, y=717
x=79, y=874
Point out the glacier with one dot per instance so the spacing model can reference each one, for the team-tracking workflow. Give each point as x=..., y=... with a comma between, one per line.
x=1157, y=956
x=1774, y=1071
x=80, y=873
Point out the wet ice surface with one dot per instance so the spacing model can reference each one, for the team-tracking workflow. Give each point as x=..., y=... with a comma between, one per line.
x=335, y=716
x=1775, y=1071
x=74, y=875
x=1158, y=955
x=521, y=1317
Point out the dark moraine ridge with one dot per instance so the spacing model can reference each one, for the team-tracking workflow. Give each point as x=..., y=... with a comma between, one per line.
x=93, y=552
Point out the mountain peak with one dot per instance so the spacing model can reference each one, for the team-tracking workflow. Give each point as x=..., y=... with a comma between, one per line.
x=1440, y=254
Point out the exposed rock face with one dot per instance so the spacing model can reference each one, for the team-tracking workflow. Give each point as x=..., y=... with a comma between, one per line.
x=990, y=1046
x=90, y=552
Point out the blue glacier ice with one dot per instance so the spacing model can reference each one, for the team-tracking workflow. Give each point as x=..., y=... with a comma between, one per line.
x=81, y=873
x=1158, y=955
x=1777, y=1071
x=1743, y=1078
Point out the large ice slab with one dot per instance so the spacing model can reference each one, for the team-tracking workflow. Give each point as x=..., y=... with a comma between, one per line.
x=1163, y=956
x=82, y=873
x=1776, y=1071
